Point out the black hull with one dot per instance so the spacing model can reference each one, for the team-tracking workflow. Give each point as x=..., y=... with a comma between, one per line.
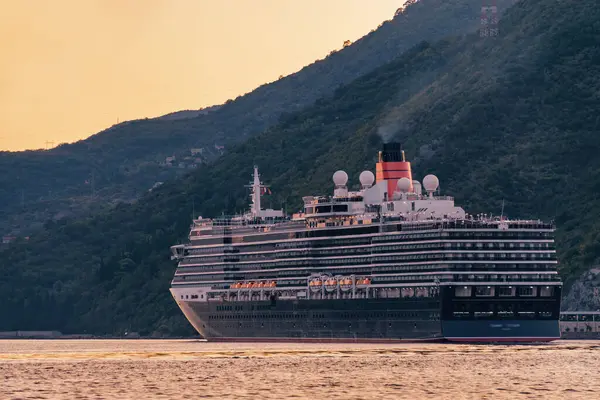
x=317, y=319
x=358, y=320
x=500, y=319
x=501, y=331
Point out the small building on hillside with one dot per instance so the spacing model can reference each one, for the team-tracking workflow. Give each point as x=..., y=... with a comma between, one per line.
x=170, y=160
x=8, y=239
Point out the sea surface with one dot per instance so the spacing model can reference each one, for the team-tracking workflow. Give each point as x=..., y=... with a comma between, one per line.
x=192, y=369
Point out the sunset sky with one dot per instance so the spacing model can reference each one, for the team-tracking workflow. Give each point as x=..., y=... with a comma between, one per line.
x=70, y=68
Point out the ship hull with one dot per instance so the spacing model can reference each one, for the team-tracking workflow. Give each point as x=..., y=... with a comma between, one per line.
x=317, y=320
x=492, y=319
x=501, y=331
x=353, y=321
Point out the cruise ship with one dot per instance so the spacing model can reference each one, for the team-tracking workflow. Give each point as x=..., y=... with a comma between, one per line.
x=394, y=261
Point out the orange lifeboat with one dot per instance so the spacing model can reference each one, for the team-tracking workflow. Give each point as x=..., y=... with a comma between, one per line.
x=363, y=282
x=272, y=284
x=345, y=284
x=315, y=284
x=330, y=284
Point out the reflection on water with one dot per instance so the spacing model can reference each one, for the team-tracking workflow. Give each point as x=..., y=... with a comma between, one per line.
x=188, y=369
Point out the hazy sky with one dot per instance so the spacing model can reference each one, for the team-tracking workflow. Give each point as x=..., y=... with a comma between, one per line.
x=70, y=68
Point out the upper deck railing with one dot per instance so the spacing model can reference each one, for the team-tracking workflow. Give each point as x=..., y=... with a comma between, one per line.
x=236, y=220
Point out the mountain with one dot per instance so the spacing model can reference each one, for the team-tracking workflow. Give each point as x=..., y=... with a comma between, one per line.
x=121, y=163
x=510, y=120
x=187, y=114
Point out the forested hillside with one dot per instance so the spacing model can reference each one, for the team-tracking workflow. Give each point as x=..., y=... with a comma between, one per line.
x=512, y=118
x=124, y=161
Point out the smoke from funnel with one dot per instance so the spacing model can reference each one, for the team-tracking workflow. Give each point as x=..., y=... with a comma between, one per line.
x=390, y=129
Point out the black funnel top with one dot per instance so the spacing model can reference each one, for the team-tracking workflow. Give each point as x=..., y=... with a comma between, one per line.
x=392, y=152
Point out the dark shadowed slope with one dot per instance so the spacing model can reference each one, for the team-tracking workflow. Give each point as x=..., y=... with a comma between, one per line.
x=511, y=118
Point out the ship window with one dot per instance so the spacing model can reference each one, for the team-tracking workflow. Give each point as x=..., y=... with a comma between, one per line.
x=461, y=311
x=462, y=291
x=527, y=291
x=526, y=311
x=505, y=311
x=483, y=310
x=506, y=291
x=340, y=208
x=323, y=209
x=484, y=291
x=547, y=291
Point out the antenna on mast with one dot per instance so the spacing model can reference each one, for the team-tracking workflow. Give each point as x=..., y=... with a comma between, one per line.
x=502, y=212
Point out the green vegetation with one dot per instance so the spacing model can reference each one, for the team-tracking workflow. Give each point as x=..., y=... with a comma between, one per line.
x=512, y=118
x=123, y=161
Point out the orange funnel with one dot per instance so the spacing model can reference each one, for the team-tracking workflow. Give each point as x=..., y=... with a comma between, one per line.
x=392, y=166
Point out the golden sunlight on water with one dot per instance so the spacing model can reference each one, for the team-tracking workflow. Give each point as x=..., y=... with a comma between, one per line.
x=188, y=369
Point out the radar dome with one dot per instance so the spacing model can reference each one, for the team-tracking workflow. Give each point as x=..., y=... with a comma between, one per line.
x=340, y=178
x=404, y=185
x=431, y=183
x=366, y=178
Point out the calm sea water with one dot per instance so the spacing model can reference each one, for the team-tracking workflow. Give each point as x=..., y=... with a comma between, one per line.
x=188, y=369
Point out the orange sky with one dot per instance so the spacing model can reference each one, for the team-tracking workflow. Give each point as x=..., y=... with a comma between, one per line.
x=70, y=68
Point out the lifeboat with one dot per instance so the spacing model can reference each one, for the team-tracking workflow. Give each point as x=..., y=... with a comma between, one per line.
x=345, y=284
x=235, y=286
x=315, y=284
x=272, y=284
x=260, y=284
x=330, y=284
x=363, y=282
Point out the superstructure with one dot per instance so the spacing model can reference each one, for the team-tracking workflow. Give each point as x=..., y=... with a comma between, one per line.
x=389, y=262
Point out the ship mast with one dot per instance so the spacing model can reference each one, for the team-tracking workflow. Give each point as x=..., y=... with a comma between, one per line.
x=256, y=192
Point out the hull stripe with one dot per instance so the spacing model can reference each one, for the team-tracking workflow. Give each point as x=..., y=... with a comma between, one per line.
x=502, y=339
x=319, y=340
x=378, y=341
